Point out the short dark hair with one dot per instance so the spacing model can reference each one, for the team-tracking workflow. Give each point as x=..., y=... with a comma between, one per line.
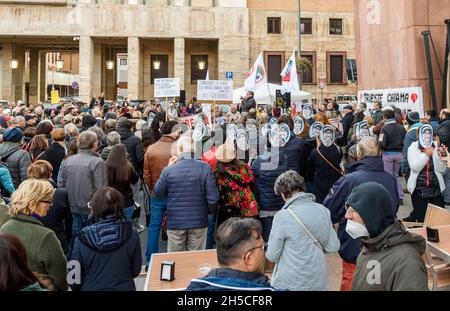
x=389, y=114
x=107, y=201
x=234, y=237
x=44, y=128
x=167, y=127
x=431, y=113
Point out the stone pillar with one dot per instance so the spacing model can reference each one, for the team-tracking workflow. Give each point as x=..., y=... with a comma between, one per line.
x=34, y=76
x=42, y=84
x=229, y=48
x=134, y=68
x=86, y=68
x=179, y=57
x=19, y=73
x=99, y=67
x=7, y=91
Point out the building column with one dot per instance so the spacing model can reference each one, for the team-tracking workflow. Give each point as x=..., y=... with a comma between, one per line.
x=7, y=91
x=179, y=60
x=42, y=84
x=19, y=74
x=34, y=76
x=134, y=68
x=86, y=68
x=99, y=67
x=227, y=60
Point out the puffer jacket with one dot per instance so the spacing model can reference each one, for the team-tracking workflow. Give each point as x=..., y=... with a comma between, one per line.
x=17, y=160
x=191, y=192
x=134, y=148
x=266, y=170
x=295, y=151
x=399, y=256
x=7, y=186
x=109, y=252
x=358, y=173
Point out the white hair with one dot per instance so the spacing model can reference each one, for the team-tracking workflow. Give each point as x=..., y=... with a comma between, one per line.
x=71, y=129
x=139, y=125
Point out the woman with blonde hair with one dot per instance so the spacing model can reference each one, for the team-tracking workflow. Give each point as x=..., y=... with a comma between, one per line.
x=32, y=201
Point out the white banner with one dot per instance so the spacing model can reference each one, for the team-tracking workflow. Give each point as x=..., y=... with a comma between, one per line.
x=407, y=99
x=220, y=90
x=167, y=87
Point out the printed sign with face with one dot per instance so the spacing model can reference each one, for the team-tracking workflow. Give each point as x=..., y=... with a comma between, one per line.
x=199, y=131
x=273, y=121
x=327, y=135
x=150, y=118
x=314, y=130
x=362, y=130
x=426, y=136
x=242, y=140
x=307, y=111
x=265, y=128
x=299, y=125
x=280, y=136
x=231, y=131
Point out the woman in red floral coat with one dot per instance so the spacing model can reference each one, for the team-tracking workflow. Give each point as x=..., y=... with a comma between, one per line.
x=235, y=181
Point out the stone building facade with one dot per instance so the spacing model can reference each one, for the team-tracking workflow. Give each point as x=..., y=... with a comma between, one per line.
x=227, y=34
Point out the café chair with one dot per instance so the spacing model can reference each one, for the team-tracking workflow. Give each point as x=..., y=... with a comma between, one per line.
x=435, y=216
x=438, y=272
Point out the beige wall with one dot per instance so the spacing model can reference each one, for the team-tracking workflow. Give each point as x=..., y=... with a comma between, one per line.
x=391, y=53
x=306, y=5
x=319, y=41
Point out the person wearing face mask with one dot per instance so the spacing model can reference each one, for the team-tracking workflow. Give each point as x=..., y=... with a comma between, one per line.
x=240, y=253
x=369, y=167
x=426, y=182
x=385, y=241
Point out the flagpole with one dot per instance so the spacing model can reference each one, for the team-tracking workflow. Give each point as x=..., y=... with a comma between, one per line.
x=299, y=41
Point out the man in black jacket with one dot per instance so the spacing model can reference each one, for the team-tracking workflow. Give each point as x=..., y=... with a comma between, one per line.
x=250, y=102
x=347, y=121
x=444, y=136
x=391, y=139
x=133, y=144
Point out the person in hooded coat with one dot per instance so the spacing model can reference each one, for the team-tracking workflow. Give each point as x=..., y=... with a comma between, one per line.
x=87, y=122
x=386, y=242
x=108, y=250
x=133, y=144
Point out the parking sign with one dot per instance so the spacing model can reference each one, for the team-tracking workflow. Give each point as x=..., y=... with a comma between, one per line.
x=229, y=75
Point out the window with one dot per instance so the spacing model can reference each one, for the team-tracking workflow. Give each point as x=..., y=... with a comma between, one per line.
x=196, y=73
x=274, y=62
x=336, y=70
x=308, y=76
x=306, y=26
x=274, y=25
x=335, y=26
x=163, y=71
x=123, y=62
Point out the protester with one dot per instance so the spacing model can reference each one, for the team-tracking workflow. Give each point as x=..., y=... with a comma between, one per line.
x=347, y=122
x=81, y=174
x=6, y=183
x=369, y=167
x=294, y=148
x=16, y=159
x=432, y=118
x=240, y=253
x=59, y=217
x=299, y=252
x=121, y=176
x=133, y=144
x=29, y=204
x=411, y=136
x=235, y=181
x=377, y=115
x=156, y=158
x=385, y=241
x=38, y=146
x=324, y=164
x=191, y=193
x=112, y=139
x=426, y=182
x=56, y=152
x=14, y=272
x=108, y=249
x=249, y=102
x=45, y=128
x=443, y=133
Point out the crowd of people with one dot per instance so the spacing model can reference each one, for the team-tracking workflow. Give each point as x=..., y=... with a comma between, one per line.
x=261, y=185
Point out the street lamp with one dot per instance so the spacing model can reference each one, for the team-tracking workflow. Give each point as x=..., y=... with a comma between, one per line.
x=201, y=62
x=156, y=64
x=59, y=64
x=14, y=63
x=110, y=62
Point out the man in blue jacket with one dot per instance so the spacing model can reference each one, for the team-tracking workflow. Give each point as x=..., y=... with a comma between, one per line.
x=240, y=253
x=192, y=194
x=370, y=167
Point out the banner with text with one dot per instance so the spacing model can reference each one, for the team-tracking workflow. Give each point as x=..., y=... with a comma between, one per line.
x=219, y=90
x=407, y=99
x=167, y=87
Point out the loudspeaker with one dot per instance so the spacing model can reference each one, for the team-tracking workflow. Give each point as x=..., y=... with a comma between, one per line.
x=279, y=99
x=287, y=100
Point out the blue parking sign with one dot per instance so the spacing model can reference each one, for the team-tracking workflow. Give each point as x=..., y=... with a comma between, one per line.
x=229, y=75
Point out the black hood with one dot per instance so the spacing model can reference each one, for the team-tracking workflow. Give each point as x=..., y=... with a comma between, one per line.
x=106, y=235
x=366, y=164
x=374, y=204
x=88, y=121
x=124, y=133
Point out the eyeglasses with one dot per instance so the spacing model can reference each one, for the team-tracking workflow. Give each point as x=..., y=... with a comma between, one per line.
x=262, y=247
x=47, y=202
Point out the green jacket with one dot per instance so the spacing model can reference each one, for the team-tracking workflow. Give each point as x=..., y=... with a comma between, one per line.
x=4, y=212
x=45, y=255
x=399, y=254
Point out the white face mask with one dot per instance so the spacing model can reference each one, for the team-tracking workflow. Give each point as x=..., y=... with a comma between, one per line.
x=356, y=230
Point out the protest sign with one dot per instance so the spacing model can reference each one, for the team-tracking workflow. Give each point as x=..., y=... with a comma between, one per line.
x=167, y=87
x=215, y=90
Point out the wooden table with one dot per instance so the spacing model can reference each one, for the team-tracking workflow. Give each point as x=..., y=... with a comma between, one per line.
x=441, y=249
x=188, y=266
